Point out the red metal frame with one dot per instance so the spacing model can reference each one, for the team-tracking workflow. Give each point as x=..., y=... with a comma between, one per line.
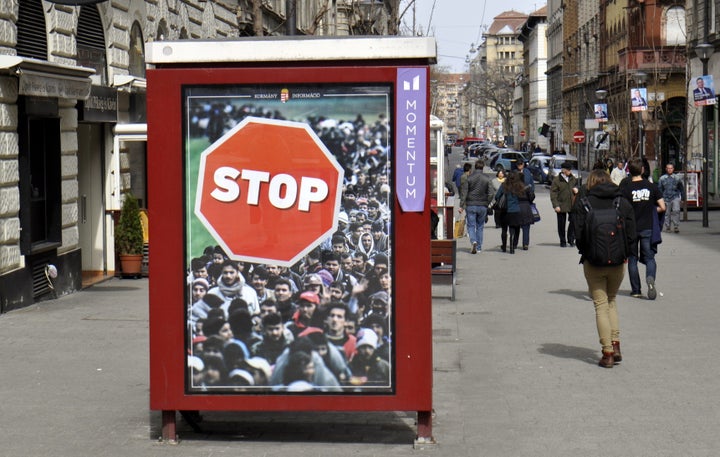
x=412, y=298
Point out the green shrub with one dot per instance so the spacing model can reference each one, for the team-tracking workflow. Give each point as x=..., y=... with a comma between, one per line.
x=129, y=232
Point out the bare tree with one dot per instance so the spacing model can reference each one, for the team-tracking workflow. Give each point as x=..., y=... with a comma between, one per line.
x=493, y=87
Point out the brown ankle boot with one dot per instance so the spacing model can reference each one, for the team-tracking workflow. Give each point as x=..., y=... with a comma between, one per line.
x=608, y=360
x=616, y=348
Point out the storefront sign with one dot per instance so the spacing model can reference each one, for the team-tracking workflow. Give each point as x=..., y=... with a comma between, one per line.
x=51, y=85
x=412, y=138
x=100, y=106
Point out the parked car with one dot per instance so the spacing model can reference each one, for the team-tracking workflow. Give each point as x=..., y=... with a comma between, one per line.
x=539, y=166
x=474, y=149
x=506, y=160
x=556, y=163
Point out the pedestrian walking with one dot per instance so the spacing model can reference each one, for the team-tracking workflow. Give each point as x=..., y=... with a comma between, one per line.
x=673, y=193
x=496, y=182
x=603, y=277
x=517, y=213
x=475, y=196
x=563, y=189
x=647, y=202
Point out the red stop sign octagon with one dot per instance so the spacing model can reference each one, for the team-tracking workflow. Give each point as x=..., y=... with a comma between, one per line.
x=268, y=191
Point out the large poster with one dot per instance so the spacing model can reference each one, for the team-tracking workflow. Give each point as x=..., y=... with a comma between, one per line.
x=288, y=233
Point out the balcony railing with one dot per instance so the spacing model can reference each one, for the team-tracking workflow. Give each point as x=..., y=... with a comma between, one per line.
x=664, y=59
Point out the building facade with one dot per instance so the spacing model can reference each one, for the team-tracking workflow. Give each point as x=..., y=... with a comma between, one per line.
x=533, y=80
x=72, y=118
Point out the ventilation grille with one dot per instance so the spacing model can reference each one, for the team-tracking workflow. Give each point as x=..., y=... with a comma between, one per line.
x=90, y=29
x=41, y=284
x=31, y=34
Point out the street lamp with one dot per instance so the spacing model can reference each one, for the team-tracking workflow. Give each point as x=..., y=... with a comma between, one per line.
x=704, y=51
x=640, y=78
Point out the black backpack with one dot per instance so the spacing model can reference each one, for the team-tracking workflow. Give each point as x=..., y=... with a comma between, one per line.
x=605, y=243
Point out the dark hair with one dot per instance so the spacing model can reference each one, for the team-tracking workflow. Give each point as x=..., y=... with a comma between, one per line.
x=294, y=370
x=479, y=165
x=635, y=167
x=285, y=281
x=337, y=305
x=260, y=272
x=237, y=304
x=230, y=263
x=514, y=184
x=360, y=255
x=240, y=322
x=467, y=166
x=271, y=319
x=212, y=326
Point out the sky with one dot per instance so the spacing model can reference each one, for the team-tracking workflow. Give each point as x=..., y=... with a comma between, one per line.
x=457, y=24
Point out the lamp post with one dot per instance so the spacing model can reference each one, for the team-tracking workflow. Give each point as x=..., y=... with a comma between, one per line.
x=704, y=51
x=640, y=78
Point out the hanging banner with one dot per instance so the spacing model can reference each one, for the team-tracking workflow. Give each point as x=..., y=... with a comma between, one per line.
x=411, y=153
x=638, y=99
x=704, y=92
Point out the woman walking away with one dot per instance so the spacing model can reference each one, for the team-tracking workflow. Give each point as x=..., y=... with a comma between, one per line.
x=603, y=254
x=496, y=182
x=518, y=213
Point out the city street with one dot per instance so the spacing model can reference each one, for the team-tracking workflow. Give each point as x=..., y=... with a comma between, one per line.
x=515, y=369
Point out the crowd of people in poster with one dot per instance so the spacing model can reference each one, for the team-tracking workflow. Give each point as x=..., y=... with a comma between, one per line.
x=323, y=325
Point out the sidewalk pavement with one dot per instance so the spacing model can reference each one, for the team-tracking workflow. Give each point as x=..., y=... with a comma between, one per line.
x=515, y=360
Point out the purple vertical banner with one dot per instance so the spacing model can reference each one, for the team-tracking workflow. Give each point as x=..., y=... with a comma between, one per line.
x=411, y=138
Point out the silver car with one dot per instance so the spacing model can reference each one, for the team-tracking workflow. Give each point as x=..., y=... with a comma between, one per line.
x=556, y=163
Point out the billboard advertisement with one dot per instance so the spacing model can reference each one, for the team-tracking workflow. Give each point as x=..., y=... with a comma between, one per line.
x=288, y=236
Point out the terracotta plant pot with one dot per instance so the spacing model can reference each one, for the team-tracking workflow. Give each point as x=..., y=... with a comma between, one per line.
x=131, y=265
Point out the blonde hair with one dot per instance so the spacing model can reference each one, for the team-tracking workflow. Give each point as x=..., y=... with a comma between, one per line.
x=598, y=177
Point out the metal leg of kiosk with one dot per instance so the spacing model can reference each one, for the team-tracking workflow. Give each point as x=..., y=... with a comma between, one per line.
x=424, y=430
x=169, y=429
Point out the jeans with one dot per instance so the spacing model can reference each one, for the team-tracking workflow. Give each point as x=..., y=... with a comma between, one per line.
x=526, y=234
x=672, y=216
x=476, y=223
x=647, y=254
x=603, y=284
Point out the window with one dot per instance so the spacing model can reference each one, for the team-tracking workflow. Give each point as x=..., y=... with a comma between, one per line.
x=675, y=26
x=137, y=51
x=91, y=43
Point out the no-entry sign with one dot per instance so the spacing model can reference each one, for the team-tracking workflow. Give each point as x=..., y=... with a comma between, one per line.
x=268, y=191
x=579, y=137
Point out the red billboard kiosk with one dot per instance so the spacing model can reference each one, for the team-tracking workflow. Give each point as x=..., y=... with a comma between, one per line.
x=268, y=160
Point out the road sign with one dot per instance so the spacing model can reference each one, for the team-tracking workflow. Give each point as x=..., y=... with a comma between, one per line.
x=522, y=133
x=602, y=140
x=268, y=191
x=579, y=137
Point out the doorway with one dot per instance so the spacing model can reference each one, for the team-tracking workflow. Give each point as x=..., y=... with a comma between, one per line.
x=91, y=205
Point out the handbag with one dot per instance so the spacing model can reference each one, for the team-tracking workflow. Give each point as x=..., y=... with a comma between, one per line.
x=499, y=204
x=535, y=212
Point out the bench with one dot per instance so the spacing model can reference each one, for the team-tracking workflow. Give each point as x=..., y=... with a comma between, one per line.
x=442, y=254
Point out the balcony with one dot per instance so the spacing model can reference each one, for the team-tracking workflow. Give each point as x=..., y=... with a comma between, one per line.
x=669, y=59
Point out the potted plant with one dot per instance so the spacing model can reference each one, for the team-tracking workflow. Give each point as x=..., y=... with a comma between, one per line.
x=129, y=237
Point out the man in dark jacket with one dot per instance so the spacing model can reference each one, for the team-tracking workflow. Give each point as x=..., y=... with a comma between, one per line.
x=475, y=196
x=562, y=193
